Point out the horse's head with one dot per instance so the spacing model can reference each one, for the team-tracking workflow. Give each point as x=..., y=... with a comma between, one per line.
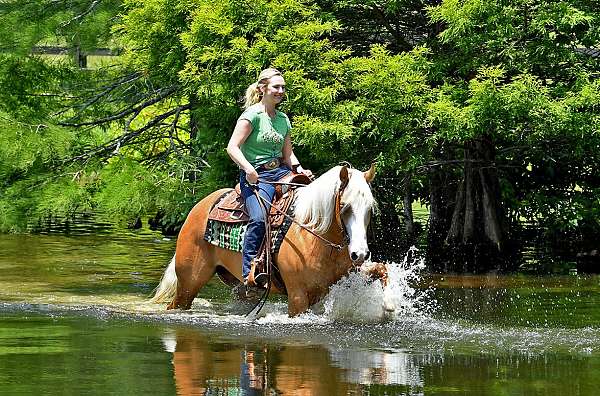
x=340, y=195
x=355, y=204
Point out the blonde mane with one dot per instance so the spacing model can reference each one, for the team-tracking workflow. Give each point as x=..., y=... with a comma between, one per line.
x=315, y=203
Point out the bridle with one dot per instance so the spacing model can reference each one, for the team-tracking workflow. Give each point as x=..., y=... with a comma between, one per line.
x=338, y=214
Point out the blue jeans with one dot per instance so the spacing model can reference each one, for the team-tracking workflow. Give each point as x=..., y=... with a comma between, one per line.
x=255, y=231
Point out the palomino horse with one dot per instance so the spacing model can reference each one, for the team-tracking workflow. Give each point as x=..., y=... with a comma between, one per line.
x=337, y=206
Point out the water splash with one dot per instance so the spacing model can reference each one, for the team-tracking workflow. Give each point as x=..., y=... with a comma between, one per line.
x=357, y=298
x=402, y=291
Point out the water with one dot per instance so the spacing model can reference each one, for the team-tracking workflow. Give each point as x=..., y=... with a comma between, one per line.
x=75, y=319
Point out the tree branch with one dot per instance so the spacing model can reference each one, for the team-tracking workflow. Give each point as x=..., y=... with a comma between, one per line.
x=394, y=32
x=114, y=145
x=108, y=89
x=82, y=15
x=126, y=112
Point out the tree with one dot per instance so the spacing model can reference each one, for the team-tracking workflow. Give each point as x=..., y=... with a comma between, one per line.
x=485, y=112
x=510, y=75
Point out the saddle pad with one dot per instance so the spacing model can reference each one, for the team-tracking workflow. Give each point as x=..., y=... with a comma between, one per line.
x=230, y=236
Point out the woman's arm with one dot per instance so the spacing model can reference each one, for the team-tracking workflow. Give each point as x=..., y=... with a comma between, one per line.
x=242, y=130
x=288, y=154
x=290, y=159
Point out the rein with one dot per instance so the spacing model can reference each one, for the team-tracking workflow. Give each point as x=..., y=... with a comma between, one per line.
x=283, y=183
x=268, y=260
x=267, y=239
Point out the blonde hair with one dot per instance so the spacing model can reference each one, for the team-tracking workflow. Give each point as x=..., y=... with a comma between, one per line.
x=253, y=94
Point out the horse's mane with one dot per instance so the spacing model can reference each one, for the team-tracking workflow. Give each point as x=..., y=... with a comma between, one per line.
x=315, y=203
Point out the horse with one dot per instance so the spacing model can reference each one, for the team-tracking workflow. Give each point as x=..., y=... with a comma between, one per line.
x=336, y=208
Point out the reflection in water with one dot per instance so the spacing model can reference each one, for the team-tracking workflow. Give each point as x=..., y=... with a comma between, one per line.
x=73, y=352
x=382, y=367
x=207, y=364
x=203, y=365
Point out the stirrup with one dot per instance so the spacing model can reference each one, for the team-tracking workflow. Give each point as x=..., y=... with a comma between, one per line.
x=261, y=280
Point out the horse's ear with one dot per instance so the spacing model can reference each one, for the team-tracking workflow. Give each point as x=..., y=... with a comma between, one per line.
x=370, y=174
x=344, y=177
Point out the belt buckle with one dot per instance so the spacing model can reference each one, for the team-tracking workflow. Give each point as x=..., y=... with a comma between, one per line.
x=274, y=163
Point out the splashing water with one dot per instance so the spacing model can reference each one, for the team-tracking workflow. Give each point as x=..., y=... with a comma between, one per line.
x=357, y=298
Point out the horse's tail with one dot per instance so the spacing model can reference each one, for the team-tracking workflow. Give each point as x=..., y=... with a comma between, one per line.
x=165, y=291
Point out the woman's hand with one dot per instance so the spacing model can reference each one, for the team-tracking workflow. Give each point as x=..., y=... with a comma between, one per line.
x=252, y=176
x=307, y=172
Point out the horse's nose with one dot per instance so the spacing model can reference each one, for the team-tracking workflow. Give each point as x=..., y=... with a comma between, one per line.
x=360, y=256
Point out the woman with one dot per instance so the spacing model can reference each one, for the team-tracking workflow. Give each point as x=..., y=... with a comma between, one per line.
x=261, y=146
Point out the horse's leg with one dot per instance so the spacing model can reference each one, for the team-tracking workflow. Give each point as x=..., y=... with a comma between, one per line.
x=297, y=302
x=195, y=262
x=194, y=266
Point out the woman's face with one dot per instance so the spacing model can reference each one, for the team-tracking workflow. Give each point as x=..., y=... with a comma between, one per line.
x=274, y=91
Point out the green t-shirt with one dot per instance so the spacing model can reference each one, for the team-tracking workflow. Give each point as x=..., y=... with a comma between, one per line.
x=268, y=134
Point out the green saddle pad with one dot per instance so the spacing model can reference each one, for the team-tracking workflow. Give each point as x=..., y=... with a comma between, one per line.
x=231, y=235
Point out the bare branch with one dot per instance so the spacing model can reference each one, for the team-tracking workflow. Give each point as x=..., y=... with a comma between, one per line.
x=114, y=145
x=459, y=162
x=108, y=89
x=393, y=31
x=133, y=109
x=82, y=15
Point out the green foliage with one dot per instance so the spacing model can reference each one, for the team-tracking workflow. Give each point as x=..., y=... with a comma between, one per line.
x=127, y=189
x=29, y=189
x=74, y=23
x=518, y=73
x=25, y=148
x=521, y=35
x=30, y=87
x=26, y=201
x=367, y=81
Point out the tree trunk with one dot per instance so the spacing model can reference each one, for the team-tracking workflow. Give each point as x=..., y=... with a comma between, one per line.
x=441, y=189
x=490, y=187
x=194, y=128
x=469, y=187
x=456, y=225
x=476, y=234
x=194, y=122
x=409, y=223
x=80, y=58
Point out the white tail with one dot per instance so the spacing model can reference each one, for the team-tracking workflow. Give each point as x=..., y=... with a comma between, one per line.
x=165, y=291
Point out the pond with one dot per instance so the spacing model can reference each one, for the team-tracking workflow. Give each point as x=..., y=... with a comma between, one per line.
x=75, y=319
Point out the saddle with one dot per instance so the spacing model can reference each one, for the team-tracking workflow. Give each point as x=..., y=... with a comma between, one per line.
x=231, y=208
x=230, y=211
